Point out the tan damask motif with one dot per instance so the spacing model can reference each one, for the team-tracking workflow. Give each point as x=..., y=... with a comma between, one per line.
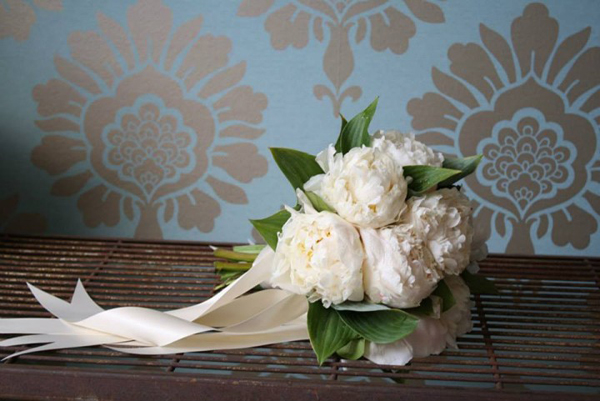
x=18, y=16
x=347, y=22
x=530, y=105
x=149, y=122
x=15, y=222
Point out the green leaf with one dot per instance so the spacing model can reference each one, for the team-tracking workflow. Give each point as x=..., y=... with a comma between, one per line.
x=232, y=266
x=381, y=327
x=423, y=310
x=256, y=249
x=479, y=284
x=233, y=255
x=318, y=203
x=425, y=177
x=466, y=166
x=270, y=226
x=356, y=131
x=297, y=166
x=327, y=332
x=444, y=292
x=359, y=306
x=354, y=350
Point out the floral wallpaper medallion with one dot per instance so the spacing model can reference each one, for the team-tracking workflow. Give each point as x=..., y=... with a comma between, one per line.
x=342, y=24
x=530, y=104
x=18, y=16
x=150, y=123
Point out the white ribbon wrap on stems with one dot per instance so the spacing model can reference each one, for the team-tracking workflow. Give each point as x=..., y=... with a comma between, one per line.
x=228, y=320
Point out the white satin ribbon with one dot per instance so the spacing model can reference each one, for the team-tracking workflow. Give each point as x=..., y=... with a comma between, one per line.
x=229, y=320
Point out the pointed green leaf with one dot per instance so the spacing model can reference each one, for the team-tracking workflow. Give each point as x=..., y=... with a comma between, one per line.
x=270, y=226
x=444, y=292
x=425, y=177
x=318, y=203
x=466, y=166
x=479, y=284
x=354, y=350
x=425, y=309
x=381, y=327
x=233, y=255
x=256, y=249
x=327, y=332
x=360, y=306
x=297, y=166
x=356, y=131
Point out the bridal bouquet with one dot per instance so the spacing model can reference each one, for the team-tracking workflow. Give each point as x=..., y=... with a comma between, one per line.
x=381, y=243
x=377, y=259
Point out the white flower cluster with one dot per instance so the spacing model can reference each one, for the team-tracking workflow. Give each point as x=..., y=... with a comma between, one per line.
x=378, y=244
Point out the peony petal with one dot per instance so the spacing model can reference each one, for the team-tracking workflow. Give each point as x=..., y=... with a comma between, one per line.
x=432, y=111
x=76, y=75
x=472, y=63
x=199, y=212
x=575, y=229
x=241, y=131
x=426, y=11
x=56, y=97
x=69, y=186
x=566, y=51
x=117, y=35
x=7, y=207
x=534, y=36
x=254, y=8
x=224, y=80
x=99, y=205
x=57, y=154
x=228, y=192
x=207, y=55
x=184, y=35
x=453, y=88
x=150, y=23
x=500, y=48
x=285, y=30
x=241, y=161
x=241, y=104
x=395, y=35
x=91, y=50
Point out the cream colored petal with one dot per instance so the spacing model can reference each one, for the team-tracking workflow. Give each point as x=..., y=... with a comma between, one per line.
x=426, y=11
x=91, y=50
x=197, y=210
x=27, y=223
x=150, y=23
x=288, y=27
x=224, y=80
x=241, y=161
x=51, y=5
x=254, y=8
x=471, y=63
x=75, y=74
x=56, y=154
x=16, y=19
x=99, y=205
x=117, y=35
x=208, y=54
x=574, y=229
x=56, y=97
x=534, y=37
x=228, y=192
x=500, y=48
x=184, y=35
x=241, y=131
x=7, y=207
x=69, y=186
x=432, y=111
x=241, y=104
x=394, y=35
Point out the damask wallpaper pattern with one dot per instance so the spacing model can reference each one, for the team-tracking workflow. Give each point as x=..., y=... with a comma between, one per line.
x=153, y=118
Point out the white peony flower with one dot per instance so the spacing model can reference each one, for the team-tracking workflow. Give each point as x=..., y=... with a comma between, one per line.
x=431, y=335
x=364, y=186
x=405, y=150
x=398, y=267
x=443, y=219
x=458, y=318
x=319, y=255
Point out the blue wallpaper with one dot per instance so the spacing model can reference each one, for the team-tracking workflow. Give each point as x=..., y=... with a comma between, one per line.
x=153, y=118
